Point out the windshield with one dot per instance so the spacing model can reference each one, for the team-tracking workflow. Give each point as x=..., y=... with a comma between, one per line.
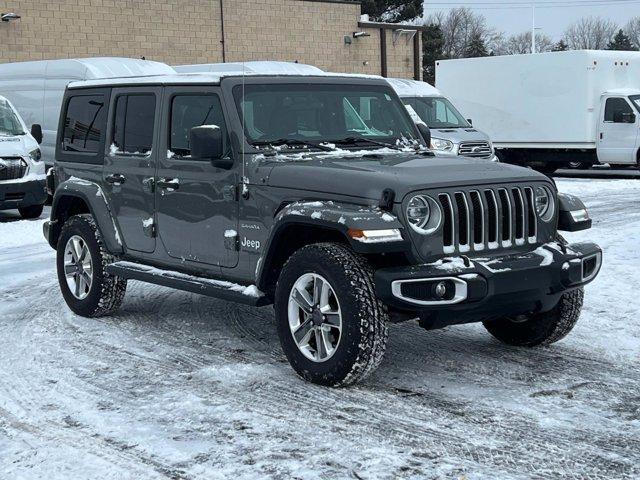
x=9, y=123
x=635, y=99
x=316, y=113
x=437, y=112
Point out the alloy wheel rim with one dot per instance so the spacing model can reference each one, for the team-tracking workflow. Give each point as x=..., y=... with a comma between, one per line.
x=78, y=267
x=315, y=318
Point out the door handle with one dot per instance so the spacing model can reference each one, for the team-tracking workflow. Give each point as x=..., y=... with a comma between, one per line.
x=170, y=184
x=115, y=179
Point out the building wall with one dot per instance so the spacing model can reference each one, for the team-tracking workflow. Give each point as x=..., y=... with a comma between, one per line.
x=52, y=29
x=189, y=31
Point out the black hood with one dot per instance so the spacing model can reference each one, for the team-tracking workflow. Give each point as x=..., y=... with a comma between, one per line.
x=367, y=176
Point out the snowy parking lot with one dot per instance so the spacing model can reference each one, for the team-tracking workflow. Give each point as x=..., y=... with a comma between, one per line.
x=182, y=386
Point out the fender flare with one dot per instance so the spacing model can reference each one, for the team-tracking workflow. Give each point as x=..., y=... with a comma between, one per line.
x=336, y=217
x=572, y=214
x=92, y=194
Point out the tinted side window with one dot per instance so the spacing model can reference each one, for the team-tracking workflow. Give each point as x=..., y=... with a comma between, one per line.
x=614, y=108
x=133, y=124
x=188, y=111
x=84, y=124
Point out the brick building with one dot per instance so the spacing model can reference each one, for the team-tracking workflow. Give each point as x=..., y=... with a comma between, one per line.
x=327, y=33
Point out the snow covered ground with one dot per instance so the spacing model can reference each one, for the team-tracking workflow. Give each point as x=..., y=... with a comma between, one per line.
x=181, y=386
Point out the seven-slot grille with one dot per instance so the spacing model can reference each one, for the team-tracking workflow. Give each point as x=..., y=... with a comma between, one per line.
x=475, y=149
x=488, y=218
x=12, y=168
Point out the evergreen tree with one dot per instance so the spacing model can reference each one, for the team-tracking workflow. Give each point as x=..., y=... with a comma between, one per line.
x=621, y=42
x=476, y=47
x=392, y=11
x=432, y=44
x=561, y=46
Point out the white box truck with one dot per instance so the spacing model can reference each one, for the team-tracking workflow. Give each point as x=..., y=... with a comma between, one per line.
x=551, y=109
x=36, y=88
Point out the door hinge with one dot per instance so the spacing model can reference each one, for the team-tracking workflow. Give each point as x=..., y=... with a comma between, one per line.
x=149, y=184
x=230, y=193
x=232, y=242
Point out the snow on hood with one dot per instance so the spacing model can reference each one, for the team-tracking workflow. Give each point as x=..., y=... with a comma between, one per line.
x=15, y=146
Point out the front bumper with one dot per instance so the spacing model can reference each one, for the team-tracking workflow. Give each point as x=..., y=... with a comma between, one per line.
x=21, y=193
x=479, y=289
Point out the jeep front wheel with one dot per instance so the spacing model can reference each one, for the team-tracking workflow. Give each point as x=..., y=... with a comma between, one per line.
x=540, y=328
x=331, y=325
x=81, y=260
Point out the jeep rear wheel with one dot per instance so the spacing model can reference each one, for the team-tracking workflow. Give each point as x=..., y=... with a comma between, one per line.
x=331, y=325
x=540, y=328
x=81, y=260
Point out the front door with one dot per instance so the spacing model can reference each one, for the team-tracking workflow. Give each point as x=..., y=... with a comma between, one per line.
x=130, y=163
x=197, y=208
x=618, y=132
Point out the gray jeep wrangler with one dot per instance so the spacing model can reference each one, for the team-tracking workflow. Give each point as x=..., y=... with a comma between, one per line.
x=316, y=194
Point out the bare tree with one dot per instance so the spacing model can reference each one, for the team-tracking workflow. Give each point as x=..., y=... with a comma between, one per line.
x=592, y=33
x=521, y=43
x=461, y=26
x=633, y=31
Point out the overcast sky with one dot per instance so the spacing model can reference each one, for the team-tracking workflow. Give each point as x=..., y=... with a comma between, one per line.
x=552, y=20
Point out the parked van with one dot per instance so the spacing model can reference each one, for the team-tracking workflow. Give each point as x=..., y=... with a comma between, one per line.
x=451, y=133
x=260, y=67
x=36, y=88
x=550, y=110
x=22, y=175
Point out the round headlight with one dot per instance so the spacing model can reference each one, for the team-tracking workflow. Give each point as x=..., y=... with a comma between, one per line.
x=418, y=211
x=423, y=214
x=544, y=203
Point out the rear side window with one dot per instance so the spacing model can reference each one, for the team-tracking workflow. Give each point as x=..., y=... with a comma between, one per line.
x=84, y=124
x=615, y=108
x=133, y=124
x=188, y=111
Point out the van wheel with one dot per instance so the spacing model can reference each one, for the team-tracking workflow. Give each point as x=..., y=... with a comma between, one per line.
x=331, y=325
x=34, y=211
x=540, y=328
x=81, y=260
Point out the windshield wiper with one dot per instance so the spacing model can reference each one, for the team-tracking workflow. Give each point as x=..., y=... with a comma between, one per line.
x=293, y=142
x=356, y=140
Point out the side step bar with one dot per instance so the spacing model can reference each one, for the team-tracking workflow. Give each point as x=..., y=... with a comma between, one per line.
x=189, y=283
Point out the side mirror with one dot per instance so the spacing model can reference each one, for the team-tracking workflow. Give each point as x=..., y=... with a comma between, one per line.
x=36, y=132
x=425, y=132
x=470, y=121
x=206, y=144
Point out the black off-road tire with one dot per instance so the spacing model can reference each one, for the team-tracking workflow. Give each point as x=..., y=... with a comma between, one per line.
x=34, y=211
x=107, y=291
x=541, y=328
x=364, y=317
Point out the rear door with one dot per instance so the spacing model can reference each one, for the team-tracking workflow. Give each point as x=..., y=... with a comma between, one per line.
x=196, y=202
x=618, y=132
x=130, y=163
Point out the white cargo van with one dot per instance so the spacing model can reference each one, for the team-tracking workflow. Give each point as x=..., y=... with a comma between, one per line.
x=547, y=110
x=36, y=88
x=451, y=133
x=22, y=175
x=256, y=67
